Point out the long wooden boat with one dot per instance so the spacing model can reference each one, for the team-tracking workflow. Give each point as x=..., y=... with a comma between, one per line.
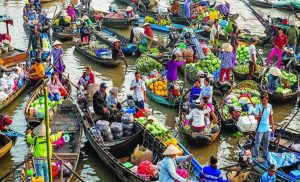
x=161, y=28
x=286, y=139
x=246, y=86
x=33, y=121
x=69, y=118
x=282, y=173
x=62, y=33
x=118, y=23
x=107, y=35
x=5, y=145
x=108, y=62
x=199, y=138
x=264, y=4
x=279, y=97
x=175, y=19
x=162, y=100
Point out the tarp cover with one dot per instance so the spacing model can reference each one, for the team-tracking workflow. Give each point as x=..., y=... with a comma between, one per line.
x=283, y=159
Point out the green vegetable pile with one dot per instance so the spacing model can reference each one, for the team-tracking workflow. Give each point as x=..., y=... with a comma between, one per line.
x=146, y=64
x=92, y=49
x=242, y=54
x=244, y=69
x=210, y=64
x=38, y=105
x=290, y=77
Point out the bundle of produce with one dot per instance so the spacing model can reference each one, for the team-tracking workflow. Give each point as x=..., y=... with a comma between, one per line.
x=161, y=22
x=146, y=64
x=117, y=130
x=140, y=154
x=65, y=19
x=208, y=65
x=244, y=69
x=152, y=51
x=146, y=169
x=115, y=16
x=37, y=107
x=242, y=54
x=103, y=127
x=174, y=142
x=128, y=126
x=127, y=118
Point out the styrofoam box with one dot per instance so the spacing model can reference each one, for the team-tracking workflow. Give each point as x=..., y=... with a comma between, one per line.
x=247, y=123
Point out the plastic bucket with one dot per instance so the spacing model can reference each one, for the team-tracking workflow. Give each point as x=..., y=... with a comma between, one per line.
x=54, y=171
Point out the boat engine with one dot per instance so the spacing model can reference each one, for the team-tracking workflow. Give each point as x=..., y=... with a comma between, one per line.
x=130, y=101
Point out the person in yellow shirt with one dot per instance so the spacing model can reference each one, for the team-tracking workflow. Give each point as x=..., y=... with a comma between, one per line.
x=37, y=71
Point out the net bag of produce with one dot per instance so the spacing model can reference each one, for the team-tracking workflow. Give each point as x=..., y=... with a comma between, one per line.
x=117, y=130
x=127, y=133
x=128, y=127
x=103, y=127
x=141, y=154
x=146, y=169
x=127, y=118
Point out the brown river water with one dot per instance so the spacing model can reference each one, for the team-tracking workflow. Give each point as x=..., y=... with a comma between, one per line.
x=90, y=166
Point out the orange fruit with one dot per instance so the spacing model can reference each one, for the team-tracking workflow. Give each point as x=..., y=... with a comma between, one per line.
x=156, y=84
x=151, y=86
x=160, y=88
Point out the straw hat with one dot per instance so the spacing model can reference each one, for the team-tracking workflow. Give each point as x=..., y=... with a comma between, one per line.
x=114, y=90
x=292, y=23
x=116, y=40
x=171, y=150
x=85, y=17
x=27, y=2
x=56, y=42
x=275, y=71
x=227, y=47
x=63, y=13
x=128, y=8
x=290, y=50
x=145, y=24
x=40, y=130
x=197, y=102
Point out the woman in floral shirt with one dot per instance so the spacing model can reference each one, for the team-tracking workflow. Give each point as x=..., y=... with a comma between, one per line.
x=226, y=61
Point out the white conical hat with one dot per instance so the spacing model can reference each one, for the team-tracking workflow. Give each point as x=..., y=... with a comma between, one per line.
x=171, y=150
x=56, y=42
x=275, y=71
x=227, y=47
x=129, y=8
x=85, y=17
x=40, y=130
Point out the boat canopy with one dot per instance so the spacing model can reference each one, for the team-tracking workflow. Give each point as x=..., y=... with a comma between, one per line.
x=6, y=19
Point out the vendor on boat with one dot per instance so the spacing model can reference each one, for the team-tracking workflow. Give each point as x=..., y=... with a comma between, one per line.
x=148, y=31
x=129, y=12
x=171, y=67
x=167, y=172
x=4, y=69
x=57, y=54
x=265, y=112
x=139, y=91
x=71, y=12
x=252, y=57
x=64, y=19
x=43, y=19
x=87, y=78
x=85, y=33
x=31, y=16
x=138, y=34
x=199, y=116
x=187, y=7
x=40, y=149
x=293, y=34
x=116, y=49
x=112, y=99
x=37, y=71
x=215, y=32
x=290, y=59
x=100, y=104
x=226, y=62
x=211, y=172
x=195, y=92
x=56, y=89
x=35, y=43
x=270, y=175
x=274, y=78
x=234, y=43
x=26, y=9
x=38, y=6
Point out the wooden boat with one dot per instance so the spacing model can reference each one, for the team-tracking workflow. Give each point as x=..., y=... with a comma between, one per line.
x=33, y=121
x=107, y=35
x=264, y=4
x=67, y=117
x=199, y=138
x=14, y=95
x=15, y=56
x=108, y=62
x=5, y=145
x=174, y=19
x=286, y=139
x=46, y=1
x=227, y=120
x=118, y=23
x=161, y=28
x=282, y=173
x=279, y=97
x=162, y=100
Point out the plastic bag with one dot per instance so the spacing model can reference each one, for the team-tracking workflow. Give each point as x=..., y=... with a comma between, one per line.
x=102, y=125
x=116, y=127
x=127, y=133
x=128, y=127
x=118, y=135
x=127, y=118
x=141, y=154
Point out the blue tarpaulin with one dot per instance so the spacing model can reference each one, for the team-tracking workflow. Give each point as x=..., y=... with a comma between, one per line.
x=283, y=159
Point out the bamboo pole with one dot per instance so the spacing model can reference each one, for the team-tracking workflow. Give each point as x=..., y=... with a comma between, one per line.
x=47, y=134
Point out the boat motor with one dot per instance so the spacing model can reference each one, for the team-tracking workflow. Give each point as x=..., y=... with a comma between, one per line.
x=130, y=101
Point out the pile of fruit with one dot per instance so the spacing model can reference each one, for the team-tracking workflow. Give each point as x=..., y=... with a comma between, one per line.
x=209, y=65
x=159, y=130
x=159, y=87
x=244, y=69
x=152, y=51
x=37, y=107
x=242, y=54
x=146, y=64
x=162, y=22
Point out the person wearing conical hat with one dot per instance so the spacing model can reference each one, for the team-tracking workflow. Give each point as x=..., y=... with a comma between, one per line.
x=274, y=78
x=38, y=140
x=167, y=172
x=57, y=55
x=129, y=12
x=290, y=58
x=26, y=10
x=116, y=49
x=226, y=62
x=293, y=34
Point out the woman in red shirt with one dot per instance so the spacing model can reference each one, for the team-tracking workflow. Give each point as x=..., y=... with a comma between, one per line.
x=147, y=30
x=280, y=41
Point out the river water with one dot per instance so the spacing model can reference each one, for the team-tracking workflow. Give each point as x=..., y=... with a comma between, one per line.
x=90, y=166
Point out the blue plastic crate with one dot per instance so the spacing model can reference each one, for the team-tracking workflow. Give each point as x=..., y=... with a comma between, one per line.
x=295, y=174
x=130, y=110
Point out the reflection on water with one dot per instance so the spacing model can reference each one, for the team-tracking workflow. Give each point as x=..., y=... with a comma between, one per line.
x=90, y=166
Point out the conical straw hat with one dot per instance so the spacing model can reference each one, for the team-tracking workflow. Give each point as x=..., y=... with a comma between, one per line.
x=171, y=150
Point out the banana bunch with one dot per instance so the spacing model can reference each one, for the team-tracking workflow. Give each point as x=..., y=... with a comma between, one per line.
x=163, y=22
x=149, y=19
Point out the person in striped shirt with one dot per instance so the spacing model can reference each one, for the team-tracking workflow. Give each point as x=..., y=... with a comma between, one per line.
x=211, y=173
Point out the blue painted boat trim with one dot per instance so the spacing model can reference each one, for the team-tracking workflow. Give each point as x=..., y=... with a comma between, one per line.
x=159, y=27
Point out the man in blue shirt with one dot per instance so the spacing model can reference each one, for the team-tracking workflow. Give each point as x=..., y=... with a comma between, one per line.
x=269, y=176
x=265, y=112
x=211, y=173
